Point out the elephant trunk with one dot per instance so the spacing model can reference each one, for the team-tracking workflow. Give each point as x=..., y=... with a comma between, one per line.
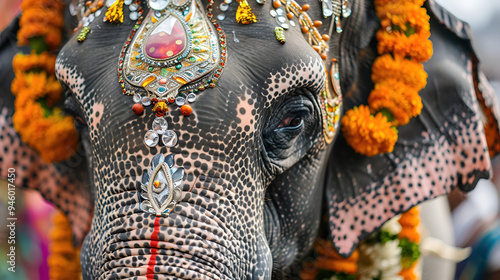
x=205, y=237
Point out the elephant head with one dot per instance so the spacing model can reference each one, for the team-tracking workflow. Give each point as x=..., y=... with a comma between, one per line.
x=258, y=170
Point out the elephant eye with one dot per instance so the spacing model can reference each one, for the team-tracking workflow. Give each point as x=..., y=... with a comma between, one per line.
x=292, y=127
x=291, y=122
x=72, y=108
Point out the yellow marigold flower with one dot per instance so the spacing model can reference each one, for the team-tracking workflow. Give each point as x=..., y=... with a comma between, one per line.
x=402, y=70
x=26, y=62
x=366, y=134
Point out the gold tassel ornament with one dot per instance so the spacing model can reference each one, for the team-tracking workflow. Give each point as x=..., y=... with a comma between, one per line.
x=115, y=12
x=244, y=13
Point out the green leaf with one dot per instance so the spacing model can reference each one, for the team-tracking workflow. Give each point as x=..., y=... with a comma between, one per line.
x=410, y=252
x=38, y=44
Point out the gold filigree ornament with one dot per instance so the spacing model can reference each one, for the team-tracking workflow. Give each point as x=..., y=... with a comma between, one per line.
x=286, y=12
x=171, y=49
x=331, y=104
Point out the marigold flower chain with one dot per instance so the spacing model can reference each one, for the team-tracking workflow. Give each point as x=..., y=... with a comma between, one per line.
x=398, y=76
x=40, y=124
x=64, y=257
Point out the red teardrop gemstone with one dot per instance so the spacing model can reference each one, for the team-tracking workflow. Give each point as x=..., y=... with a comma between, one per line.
x=167, y=40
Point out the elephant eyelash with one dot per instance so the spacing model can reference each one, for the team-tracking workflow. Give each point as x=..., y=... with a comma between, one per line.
x=71, y=108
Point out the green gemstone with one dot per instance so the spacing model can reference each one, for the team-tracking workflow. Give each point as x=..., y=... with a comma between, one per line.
x=150, y=68
x=196, y=42
x=197, y=49
x=192, y=59
x=164, y=72
x=178, y=66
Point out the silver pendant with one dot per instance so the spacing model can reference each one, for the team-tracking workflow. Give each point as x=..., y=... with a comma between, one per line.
x=161, y=186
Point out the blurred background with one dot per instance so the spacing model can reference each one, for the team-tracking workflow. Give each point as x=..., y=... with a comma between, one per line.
x=474, y=217
x=484, y=18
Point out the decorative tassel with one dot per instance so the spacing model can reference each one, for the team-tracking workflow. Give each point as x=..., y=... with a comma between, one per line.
x=115, y=12
x=244, y=13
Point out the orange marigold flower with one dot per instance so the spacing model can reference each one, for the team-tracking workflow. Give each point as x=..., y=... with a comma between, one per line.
x=407, y=273
x=26, y=62
x=23, y=117
x=402, y=70
x=51, y=35
x=416, y=46
x=366, y=134
x=338, y=266
x=403, y=102
x=49, y=17
x=35, y=86
x=61, y=139
x=63, y=260
x=409, y=222
x=410, y=217
x=385, y=2
x=401, y=15
x=43, y=4
x=410, y=233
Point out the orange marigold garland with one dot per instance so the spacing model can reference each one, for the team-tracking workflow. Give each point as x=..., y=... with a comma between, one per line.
x=64, y=260
x=329, y=264
x=40, y=124
x=409, y=239
x=398, y=76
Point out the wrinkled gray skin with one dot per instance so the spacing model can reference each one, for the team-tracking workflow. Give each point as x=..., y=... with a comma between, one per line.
x=253, y=149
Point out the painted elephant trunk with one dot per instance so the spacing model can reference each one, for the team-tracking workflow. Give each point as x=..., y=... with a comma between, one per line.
x=196, y=241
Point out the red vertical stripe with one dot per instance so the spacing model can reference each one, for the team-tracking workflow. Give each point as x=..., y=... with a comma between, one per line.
x=154, y=244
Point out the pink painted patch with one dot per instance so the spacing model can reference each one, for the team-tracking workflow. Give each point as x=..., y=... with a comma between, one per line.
x=417, y=178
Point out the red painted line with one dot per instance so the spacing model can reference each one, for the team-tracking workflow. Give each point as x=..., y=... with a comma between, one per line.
x=150, y=274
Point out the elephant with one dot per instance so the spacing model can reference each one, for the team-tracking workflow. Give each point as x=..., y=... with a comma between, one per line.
x=260, y=176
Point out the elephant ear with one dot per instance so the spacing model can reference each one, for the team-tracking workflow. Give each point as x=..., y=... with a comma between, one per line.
x=64, y=184
x=444, y=147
